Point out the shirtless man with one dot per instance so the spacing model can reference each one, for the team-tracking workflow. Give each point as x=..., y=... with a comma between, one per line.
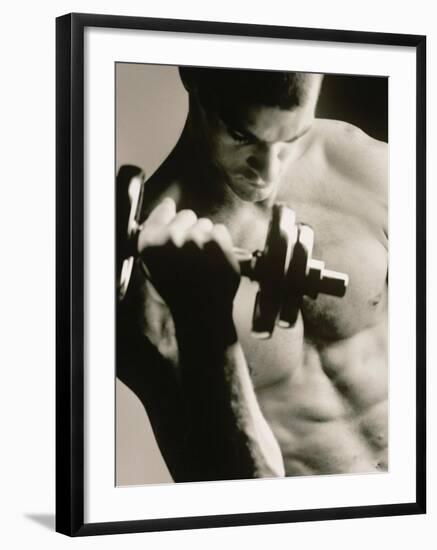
x=313, y=398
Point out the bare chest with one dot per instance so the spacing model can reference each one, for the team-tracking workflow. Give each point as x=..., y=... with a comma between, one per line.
x=354, y=244
x=345, y=242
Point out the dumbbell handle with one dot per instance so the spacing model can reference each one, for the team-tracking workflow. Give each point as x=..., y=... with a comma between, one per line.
x=330, y=282
x=247, y=261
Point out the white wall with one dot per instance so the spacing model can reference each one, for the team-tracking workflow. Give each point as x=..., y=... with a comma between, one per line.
x=27, y=274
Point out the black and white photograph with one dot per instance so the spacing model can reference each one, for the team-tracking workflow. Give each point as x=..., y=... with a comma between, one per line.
x=251, y=274
x=240, y=275
x=217, y=259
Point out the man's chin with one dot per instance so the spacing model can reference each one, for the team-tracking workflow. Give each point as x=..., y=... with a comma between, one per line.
x=252, y=192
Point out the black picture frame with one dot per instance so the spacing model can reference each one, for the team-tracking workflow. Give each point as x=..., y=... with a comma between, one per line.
x=70, y=273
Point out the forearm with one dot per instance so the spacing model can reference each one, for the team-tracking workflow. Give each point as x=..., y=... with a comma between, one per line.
x=192, y=266
x=228, y=436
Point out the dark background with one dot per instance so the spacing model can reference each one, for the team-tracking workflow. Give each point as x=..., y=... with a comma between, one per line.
x=360, y=100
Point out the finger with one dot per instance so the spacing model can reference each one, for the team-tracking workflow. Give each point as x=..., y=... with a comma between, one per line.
x=221, y=234
x=200, y=231
x=222, y=237
x=151, y=232
x=179, y=226
x=162, y=214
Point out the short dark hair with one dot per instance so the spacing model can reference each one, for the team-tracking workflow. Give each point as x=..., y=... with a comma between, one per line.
x=225, y=90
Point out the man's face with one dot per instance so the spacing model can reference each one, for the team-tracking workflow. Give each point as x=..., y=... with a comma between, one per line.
x=252, y=151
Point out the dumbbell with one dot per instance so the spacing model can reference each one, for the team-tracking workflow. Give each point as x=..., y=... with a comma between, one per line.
x=284, y=270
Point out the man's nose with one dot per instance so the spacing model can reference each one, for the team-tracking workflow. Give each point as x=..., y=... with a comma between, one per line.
x=266, y=161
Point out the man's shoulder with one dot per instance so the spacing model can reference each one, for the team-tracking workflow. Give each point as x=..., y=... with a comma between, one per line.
x=354, y=154
x=339, y=132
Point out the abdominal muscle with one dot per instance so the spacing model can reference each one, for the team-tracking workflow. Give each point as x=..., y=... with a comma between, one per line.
x=326, y=403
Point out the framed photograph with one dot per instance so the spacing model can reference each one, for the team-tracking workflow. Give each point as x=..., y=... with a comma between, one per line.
x=240, y=274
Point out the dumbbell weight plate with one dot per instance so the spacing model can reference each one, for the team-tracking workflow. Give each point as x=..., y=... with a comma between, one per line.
x=295, y=280
x=271, y=268
x=129, y=195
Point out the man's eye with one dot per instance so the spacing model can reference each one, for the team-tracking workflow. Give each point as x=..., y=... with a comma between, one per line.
x=237, y=136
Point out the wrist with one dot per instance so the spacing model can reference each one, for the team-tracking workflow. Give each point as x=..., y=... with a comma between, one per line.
x=205, y=328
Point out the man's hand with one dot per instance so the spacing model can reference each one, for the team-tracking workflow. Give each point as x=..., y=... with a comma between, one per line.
x=224, y=435
x=191, y=263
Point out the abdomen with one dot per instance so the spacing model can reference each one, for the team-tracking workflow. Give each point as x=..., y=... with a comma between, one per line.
x=330, y=415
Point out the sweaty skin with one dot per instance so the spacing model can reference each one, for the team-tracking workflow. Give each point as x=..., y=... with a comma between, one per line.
x=318, y=390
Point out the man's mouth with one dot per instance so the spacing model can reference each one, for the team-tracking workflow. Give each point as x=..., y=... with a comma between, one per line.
x=254, y=182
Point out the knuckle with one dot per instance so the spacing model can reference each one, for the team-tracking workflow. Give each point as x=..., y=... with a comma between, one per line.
x=149, y=238
x=144, y=239
x=175, y=237
x=201, y=230
x=220, y=227
x=161, y=214
x=220, y=231
x=187, y=213
x=205, y=222
x=198, y=238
